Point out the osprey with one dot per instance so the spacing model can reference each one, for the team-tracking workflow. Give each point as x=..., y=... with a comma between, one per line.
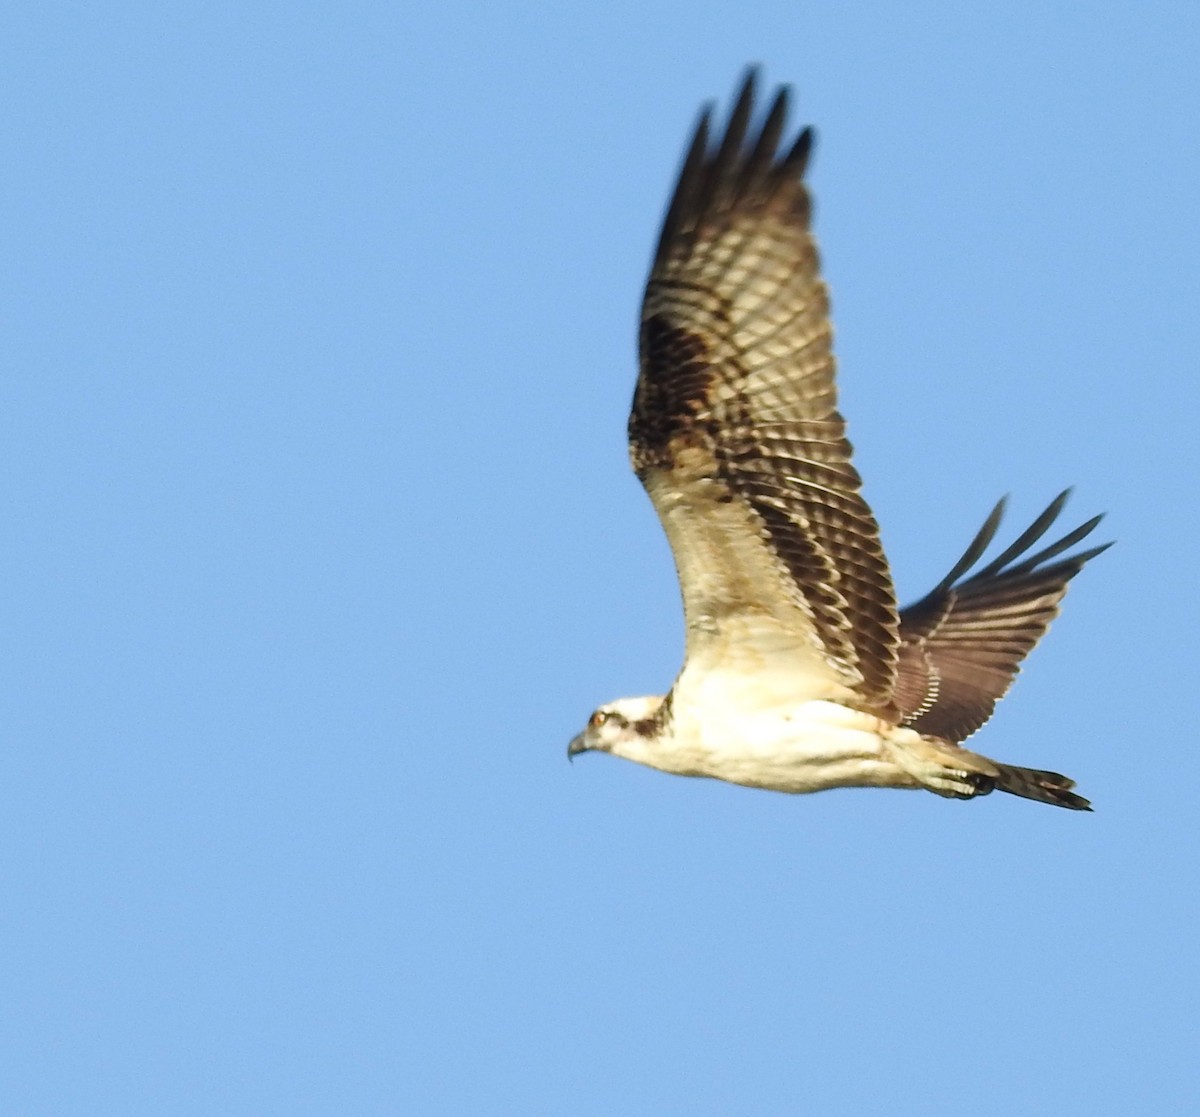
x=800, y=672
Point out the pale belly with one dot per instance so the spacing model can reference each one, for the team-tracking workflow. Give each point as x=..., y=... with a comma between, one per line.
x=810, y=746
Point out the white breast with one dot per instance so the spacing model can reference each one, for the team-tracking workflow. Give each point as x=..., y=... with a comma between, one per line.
x=746, y=731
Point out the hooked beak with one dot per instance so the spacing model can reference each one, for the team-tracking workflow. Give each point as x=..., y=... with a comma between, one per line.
x=576, y=746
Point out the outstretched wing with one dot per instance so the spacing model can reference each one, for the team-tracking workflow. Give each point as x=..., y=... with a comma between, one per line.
x=962, y=645
x=735, y=431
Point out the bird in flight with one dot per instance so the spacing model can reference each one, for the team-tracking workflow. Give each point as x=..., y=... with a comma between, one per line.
x=800, y=673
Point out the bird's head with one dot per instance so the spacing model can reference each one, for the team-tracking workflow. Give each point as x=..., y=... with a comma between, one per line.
x=622, y=727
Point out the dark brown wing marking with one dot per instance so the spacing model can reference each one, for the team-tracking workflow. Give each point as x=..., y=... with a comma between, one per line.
x=962, y=645
x=667, y=407
x=737, y=374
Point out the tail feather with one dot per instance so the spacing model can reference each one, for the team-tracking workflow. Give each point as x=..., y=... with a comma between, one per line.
x=1045, y=787
x=954, y=772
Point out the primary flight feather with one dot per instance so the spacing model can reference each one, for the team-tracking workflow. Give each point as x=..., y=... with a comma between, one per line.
x=800, y=672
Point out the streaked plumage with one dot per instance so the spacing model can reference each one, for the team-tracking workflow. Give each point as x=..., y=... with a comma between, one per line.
x=800, y=673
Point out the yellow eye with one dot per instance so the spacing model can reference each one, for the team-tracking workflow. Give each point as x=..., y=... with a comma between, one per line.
x=597, y=719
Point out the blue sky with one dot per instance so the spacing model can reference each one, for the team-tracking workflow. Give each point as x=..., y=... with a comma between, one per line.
x=320, y=542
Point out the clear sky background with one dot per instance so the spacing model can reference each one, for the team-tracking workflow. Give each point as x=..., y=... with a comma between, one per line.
x=319, y=543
